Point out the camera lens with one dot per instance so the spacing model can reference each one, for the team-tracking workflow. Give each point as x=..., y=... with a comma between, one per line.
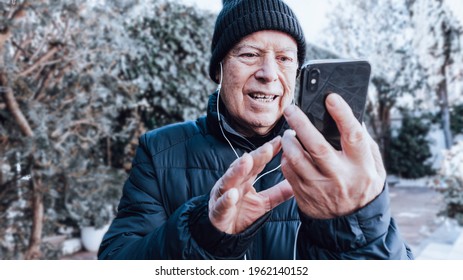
x=313, y=79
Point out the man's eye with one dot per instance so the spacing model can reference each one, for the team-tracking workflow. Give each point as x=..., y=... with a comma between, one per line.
x=248, y=55
x=286, y=59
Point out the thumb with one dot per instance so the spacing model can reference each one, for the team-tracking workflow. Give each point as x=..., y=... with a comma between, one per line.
x=221, y=213
x=233, y=196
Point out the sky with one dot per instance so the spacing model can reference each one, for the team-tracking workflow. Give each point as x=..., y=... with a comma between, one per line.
x=312, y=13
x=457, y=8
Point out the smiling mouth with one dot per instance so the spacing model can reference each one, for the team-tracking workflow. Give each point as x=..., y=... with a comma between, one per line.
x=263, y=97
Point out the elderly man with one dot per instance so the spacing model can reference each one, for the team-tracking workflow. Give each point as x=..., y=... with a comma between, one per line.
x=237, y=183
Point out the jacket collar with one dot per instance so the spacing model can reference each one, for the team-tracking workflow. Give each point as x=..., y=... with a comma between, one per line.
x=236, y=138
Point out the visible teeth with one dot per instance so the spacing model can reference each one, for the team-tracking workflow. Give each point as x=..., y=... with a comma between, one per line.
x=263, y=97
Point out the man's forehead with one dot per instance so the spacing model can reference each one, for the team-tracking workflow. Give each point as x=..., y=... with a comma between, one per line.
x=264, y=39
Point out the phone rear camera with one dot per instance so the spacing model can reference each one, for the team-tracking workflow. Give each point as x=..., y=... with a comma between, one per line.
x=314, y=75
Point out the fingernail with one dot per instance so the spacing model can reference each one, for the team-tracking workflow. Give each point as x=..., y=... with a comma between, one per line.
x=291, y=132
x=289, y=110
x=333, y=100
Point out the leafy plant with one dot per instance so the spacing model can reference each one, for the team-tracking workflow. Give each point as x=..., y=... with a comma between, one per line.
x=169, y=62
x=456, y=119
x=79, y=84
x=450, y=183
x=409, y=151
x=94, y=202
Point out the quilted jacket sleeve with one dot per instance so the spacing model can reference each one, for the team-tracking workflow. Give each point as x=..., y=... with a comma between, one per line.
x=369, y=233
x=143, y=230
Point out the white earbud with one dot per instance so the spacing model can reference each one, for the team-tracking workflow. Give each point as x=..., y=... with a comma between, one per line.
x=221, y=77
x=219, y=87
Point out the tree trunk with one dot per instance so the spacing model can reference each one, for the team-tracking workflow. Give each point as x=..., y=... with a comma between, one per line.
x=445, y=115
x=33, y=252
x=442, y=88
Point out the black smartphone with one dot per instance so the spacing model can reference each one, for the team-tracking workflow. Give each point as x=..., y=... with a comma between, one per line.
x=348, y=78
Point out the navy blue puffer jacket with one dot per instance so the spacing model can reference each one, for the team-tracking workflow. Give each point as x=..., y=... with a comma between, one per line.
x=163, y=210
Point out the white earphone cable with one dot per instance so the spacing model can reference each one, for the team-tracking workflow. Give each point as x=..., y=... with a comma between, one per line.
x=218, y=112
x=295, y=241
x=219, y=87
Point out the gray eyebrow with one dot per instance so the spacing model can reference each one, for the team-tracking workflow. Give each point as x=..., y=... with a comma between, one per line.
x=247, y=45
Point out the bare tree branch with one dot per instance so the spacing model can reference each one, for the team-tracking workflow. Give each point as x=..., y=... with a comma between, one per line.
x=39, y=62
x=13, y=106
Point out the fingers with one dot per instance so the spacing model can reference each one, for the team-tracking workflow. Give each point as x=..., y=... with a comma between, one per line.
x=264, y=155
x=234, y=190
x=222, y=211
x=235, y=176
x=309, y=136
x=277, y=194
x=320, y=151
x=245, y=169
x=222, y=207
x=295, y=157
x=353, y=137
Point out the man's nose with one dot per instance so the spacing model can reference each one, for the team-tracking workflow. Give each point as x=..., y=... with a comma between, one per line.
x=268, y=70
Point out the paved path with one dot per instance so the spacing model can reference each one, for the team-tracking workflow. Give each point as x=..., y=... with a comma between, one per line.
x=429, y=236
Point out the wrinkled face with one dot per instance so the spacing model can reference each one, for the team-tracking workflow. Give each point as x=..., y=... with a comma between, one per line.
x=259, y=77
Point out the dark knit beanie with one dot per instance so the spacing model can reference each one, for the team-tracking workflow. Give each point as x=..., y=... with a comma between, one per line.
x=240, y=18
